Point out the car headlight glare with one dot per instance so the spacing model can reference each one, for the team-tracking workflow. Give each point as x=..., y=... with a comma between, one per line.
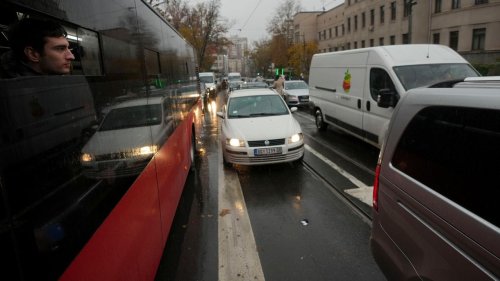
x=146, y=150
x=295, y=138
x=235, y=142
x=86, y=157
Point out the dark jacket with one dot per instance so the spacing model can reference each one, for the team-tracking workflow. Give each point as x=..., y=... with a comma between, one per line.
x=11, y=67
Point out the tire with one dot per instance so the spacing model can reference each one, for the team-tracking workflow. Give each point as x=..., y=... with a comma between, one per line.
x=192, y=152
x=225, y=163
x=320, y=123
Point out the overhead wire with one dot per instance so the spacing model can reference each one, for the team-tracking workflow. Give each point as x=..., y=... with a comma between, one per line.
x=250, y=16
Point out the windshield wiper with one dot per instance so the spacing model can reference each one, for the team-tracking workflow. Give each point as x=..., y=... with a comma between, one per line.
x=263, y=114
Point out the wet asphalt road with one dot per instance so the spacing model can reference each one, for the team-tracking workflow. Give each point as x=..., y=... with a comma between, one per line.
x=303, y=224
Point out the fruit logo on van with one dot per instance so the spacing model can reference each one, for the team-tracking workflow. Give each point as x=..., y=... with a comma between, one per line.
x=347, y=81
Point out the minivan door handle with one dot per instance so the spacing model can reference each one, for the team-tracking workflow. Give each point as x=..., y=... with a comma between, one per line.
x=359, y=104
x=367, y=105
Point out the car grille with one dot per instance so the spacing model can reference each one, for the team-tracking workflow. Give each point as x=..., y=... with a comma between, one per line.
x=244, y=159
x=263, y=142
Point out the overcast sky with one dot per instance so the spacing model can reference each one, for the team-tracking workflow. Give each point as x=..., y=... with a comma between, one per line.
x=251, y=17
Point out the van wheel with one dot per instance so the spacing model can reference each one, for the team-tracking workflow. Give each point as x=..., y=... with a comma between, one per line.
x=320, y=124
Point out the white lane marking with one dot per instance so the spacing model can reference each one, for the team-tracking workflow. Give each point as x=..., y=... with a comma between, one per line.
x=363, y=192
x=238, y=256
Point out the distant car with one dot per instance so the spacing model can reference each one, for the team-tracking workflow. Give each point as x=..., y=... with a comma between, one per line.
x=258, y=128
x=296, y=93
x=128, y=137
x=435, y=202
x=234, y=85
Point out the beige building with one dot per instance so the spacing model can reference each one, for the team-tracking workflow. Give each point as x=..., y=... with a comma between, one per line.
x=471, y=27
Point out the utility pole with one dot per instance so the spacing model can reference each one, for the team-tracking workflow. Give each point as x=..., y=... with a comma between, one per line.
x=410, y=4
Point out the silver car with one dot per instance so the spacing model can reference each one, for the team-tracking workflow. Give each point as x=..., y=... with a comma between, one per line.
x=296, y=93
x=435, y=205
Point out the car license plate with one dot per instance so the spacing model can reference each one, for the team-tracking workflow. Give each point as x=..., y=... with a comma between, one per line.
x=266, y=151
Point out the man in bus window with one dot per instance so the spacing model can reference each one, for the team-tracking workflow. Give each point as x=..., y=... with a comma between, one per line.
x=38, y=47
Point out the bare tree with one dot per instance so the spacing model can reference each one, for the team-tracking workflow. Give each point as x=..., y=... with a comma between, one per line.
x=204, y=31
x=283, y=17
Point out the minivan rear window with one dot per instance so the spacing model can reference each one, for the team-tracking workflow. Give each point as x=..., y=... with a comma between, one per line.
x=456, y=152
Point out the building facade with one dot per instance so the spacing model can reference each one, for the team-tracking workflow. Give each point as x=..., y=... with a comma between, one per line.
x=468, y=26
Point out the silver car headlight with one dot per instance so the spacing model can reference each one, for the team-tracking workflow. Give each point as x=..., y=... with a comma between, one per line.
x=296, y=138
x=235, y=142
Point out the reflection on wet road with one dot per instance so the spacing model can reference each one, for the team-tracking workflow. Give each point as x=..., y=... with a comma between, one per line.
x=298, y=227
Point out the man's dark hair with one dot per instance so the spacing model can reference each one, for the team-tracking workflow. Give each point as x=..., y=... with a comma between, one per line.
x=32, y=32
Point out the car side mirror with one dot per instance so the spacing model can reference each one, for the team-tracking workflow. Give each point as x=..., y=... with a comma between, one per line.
x=387, y=98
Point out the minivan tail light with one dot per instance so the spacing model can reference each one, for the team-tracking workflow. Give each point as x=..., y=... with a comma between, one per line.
x=375, y=187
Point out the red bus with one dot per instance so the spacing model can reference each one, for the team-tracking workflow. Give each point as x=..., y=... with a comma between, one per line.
x=93, y=164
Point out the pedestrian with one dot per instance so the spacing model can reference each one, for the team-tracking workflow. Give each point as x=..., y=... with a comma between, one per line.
x=279, y=84
x=38, y=47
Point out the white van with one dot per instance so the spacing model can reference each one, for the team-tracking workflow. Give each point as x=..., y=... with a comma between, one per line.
x=357, y=90
x=210, y=83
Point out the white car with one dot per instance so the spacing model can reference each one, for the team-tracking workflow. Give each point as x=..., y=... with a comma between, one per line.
x=258, y=128
x=296, y=93
x=128, y=137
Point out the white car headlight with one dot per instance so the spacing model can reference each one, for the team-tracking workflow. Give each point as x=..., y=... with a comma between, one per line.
x=295, y=138
x=294, y=98
x=235, y=142
x=86, y=157
x=145, y=150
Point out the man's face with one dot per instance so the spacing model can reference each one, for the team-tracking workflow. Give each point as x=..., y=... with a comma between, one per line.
x=56, y=57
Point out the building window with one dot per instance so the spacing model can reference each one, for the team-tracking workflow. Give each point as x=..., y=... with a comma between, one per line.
x=478, y=37
x=343, y=30
x=455, y=4
x=393, y=39
x=382, y=14
x=319, y=36
x=393, y=10
x=355, y=44
x=355, y=23
x=371, y=43
x=407, y=7
x=435, y=38
x=454, y=40
x=405, y=39
x=381, y=41
x=362, y=43
x=348, y=25
x=437, y=6
x=336, y=31
x=372, y=17
x=349, y=46
x=348, y=2
x=324, y=34
x=480, y=2
x=330, y=33
x=363, y=20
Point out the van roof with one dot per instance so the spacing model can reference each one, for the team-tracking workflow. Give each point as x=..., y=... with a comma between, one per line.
x=394, y=55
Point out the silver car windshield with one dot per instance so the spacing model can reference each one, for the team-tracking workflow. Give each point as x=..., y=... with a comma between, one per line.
x=256, y=106
x=414, y=76
x=130, y=117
